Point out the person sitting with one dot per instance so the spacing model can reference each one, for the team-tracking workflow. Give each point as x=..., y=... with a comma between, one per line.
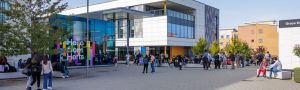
x=262, y=68
x=276, y=67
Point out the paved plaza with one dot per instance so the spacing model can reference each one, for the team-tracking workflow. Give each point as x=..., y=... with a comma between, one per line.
x=126, y=77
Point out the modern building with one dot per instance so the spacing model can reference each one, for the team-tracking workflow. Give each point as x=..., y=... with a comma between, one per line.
x=225, y=36
x=154, y=26
x=263, y=34
x=3, y=5
x=289, y=31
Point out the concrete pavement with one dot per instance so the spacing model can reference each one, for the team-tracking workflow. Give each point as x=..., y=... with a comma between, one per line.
x=126, y=77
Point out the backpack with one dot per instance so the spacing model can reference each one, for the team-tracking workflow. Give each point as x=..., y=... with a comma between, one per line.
x=205, y=58
x=145, y=61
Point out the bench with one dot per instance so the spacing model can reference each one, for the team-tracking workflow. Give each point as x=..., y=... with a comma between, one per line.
x=283, y=75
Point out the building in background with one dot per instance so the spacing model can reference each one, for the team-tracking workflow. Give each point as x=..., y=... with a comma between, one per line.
x=260, y=34
x=3, y=5
x=289, y=31
x=225, y=36
x=154, y=27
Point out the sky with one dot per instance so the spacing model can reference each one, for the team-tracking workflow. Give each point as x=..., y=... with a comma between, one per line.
x=238, y=12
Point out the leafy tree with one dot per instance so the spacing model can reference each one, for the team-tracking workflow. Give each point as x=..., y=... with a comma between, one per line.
x=200, y=46
x=239, y=46
x=28, y=19
x=214, y=48
x=297, y=50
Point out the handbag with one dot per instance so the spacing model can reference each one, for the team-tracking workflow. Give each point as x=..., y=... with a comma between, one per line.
x=26, y=71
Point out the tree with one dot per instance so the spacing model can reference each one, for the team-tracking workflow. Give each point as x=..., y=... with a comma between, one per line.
x=29, y=21
x=214, y=48
x=239, y=46
x=297, y=50
x=200, y=47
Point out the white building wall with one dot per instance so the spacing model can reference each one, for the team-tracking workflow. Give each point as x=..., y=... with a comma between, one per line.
x=154, y=33
x=148, y=25
x=288, y=38
x=107, y=5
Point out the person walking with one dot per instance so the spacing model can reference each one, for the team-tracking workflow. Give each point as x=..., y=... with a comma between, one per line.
x=274, y=68
x=47, y=73
x=217, y=61
x=145, y=62
x=262, y=68
x=35, y=69
x=224, y=60
x=152, y=62
x=232, y=59
x=27, y=67
x=206, y=60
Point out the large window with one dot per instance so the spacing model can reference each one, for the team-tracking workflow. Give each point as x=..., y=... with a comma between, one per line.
x=180, y=25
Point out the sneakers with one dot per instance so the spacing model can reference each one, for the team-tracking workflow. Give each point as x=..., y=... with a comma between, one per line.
x=63, y=77
x=49, y=88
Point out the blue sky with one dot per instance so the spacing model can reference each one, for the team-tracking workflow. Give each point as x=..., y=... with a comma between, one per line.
x=238, y=12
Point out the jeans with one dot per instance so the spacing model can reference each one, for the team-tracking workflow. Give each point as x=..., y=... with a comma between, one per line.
x=47, y=80
x=275, y=70
x=242, y=63
x=65, y=71
x=152, y=68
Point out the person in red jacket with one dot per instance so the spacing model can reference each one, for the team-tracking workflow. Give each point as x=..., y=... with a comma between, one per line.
x=263, y=68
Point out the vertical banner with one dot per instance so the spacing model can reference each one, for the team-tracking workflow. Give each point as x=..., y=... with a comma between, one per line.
x=78, y=53
x=64, y=48
x=91, y=57
x=92, y=53
x=88, y=47
x=58, y=45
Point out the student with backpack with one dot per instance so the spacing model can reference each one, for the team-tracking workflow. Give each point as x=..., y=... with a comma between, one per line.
x=206, y=60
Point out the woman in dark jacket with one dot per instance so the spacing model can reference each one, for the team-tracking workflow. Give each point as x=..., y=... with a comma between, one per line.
x=36, y=69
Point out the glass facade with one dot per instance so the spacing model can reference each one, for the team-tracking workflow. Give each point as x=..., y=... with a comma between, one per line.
x=3, y=6
x=73, y=47
x=180, y=25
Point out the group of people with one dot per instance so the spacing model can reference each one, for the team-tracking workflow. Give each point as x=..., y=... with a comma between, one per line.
x=146, y=60
x=36, y=66
x=272, y=64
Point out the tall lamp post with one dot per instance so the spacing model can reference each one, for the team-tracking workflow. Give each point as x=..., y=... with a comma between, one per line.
x=87, y=37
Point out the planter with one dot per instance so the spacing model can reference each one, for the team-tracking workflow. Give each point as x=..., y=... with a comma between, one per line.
x=297, y=75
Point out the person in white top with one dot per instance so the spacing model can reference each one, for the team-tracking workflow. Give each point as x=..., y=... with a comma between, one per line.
x=47, y=72
x=276, y=67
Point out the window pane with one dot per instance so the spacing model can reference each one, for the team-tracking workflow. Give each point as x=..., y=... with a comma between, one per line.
x=177, y=30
